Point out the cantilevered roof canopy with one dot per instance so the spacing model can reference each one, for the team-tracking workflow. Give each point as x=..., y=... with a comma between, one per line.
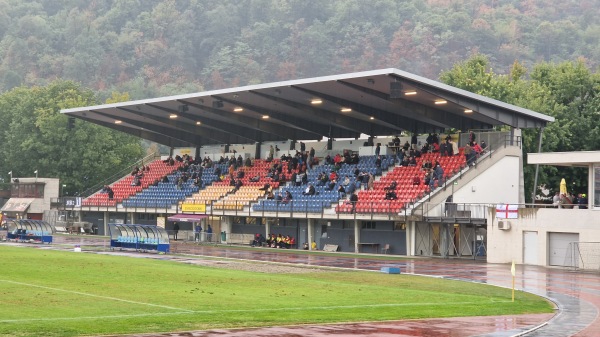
x=573, y=159
x=377, y=103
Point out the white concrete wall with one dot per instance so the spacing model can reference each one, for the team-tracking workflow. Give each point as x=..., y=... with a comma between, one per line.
x=498, y=184
x=507, y=245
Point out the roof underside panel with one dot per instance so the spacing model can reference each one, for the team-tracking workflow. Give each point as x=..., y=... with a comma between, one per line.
x=376, y=103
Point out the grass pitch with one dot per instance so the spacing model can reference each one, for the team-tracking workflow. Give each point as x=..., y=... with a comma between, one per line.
x=57, y=293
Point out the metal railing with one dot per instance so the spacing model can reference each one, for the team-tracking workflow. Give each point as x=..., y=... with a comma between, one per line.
x=118, y=175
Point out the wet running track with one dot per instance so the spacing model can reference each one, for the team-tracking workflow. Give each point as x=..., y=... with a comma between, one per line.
x=576, y=294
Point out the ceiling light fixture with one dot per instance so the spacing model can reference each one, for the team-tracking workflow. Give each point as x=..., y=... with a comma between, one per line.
x=238, y=109
x=346, y=109
x=118, y=122
x=265, y=117
x=410, y=93
x=198, y=122
x=316, y=101
x=468, y=111
x=441, y=101
x=371, y=118
x=172, y=116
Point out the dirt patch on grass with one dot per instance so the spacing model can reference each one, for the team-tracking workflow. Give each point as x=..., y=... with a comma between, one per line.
x=259, y=267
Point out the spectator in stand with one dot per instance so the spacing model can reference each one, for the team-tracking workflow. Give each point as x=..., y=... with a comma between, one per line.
x=556, y=199
x=353, y=201
x=341, y=191
x=371, y=181
x=238, y=184
x=439, y=173
x=583, y=201
x=391, y=187
x=378, y=149
x=428, y=178
x=477, y=148
x=412, y=161
x=255, y=179
x=248, y=162
x=271, y=153
x=109, y=191
x=299, y=179
x=310, y=190
x=287, y=198
x=333, y=175
x=270, y=195
x=331, y=185
x=391, y=195
x=378, y=162
x=241, y=173
x=351, y=187
x=469, y=155
x=416, y=180
x=240, y=161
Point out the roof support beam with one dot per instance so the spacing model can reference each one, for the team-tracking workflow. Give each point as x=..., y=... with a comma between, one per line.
x=143, y=134
x=290, y=120
x=249, y=123
x=223, y=136
x=196, y=140
x=384, y=118
x=331, y=118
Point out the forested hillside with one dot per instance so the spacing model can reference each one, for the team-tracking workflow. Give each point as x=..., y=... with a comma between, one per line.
x=149, y=47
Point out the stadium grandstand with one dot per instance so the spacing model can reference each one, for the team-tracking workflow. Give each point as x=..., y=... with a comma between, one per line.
x=379, y=161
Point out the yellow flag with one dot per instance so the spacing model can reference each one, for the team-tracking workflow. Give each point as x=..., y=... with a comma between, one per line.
x=512, y=268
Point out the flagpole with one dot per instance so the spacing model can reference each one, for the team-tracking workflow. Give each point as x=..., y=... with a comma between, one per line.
x=512, y=271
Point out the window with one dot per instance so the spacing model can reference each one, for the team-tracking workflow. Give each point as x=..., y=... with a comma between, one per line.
x=399, y=226
x=368, y=225
x=24, y=190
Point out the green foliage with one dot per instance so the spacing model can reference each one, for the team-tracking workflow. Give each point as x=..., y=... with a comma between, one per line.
x=35, y=137
x=568, y=91
x=141, y=46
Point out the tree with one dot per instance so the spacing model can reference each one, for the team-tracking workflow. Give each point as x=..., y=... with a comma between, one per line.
x=568, y=91
x=35, y=137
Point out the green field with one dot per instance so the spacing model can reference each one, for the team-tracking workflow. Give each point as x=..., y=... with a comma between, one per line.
x=58, y=293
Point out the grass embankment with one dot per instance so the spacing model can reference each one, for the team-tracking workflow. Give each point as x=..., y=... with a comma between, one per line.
x=57, y=293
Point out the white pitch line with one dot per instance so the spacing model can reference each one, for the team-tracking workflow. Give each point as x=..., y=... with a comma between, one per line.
x=94, y=295
x=214, y=312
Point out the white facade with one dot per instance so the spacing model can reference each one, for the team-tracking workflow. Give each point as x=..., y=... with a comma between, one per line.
x=515, y=244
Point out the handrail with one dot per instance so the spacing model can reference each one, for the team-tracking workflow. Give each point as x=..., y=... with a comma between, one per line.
x=118, y=175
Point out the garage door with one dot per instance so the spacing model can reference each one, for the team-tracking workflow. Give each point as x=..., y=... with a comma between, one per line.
x=559, y=254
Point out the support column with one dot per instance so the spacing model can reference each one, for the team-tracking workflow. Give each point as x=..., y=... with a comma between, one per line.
x=106, y=219
x=356, y=236
x=267, y=228
x=444, y=240
x=311, y=232
x=257, y=154
x=411, y=238
x=131, y=217
x=537, y=167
